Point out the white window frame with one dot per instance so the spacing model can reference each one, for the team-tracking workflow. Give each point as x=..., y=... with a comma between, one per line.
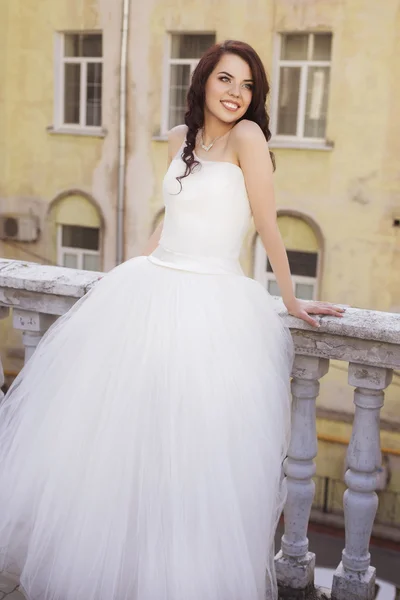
x=168, y=61
x=308, y=281
x=78, y=252
x=263, y=276
x=60, y=60
x=304, y=66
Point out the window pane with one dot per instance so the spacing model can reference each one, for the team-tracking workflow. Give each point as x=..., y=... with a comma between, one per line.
x=317, y=102
x=273, y=288
x=294, y=46
x=289, y=87
x=91, y=262
x=322, y=46
x=93, y=94
x=74, y=236
x=190, y=45
x=70, y=260
x=305, y=291
x=71, y=44
x=92, y=45
x=88, y=45
x=303, y=263
x=179, y=85
x=72, y=92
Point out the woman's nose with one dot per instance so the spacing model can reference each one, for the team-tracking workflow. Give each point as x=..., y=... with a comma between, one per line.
x=235, y=90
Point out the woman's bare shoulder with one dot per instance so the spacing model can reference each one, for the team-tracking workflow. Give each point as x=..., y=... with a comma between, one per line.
x=247, y=130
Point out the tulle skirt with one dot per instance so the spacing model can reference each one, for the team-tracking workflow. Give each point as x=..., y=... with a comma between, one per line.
x=141, y=447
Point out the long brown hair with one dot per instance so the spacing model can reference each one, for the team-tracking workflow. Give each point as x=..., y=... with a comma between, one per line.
x=194, y=117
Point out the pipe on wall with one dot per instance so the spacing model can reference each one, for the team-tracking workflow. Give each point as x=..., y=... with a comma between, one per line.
x=120, y=238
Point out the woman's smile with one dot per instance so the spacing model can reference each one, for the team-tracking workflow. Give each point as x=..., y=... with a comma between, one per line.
x=230, y=105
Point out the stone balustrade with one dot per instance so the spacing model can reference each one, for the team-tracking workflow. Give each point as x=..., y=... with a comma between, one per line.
x=369, y=341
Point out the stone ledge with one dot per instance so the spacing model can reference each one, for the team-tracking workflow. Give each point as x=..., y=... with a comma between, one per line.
x=357, y=324
x=46, y=279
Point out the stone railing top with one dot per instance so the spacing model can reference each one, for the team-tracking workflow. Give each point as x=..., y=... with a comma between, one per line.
x=72, y=283
x=358, y=323
x=46, y=279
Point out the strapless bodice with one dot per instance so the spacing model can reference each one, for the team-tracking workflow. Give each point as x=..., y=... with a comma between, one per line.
x=205, y=222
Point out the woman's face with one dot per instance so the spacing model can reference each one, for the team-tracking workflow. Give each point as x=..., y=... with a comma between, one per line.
x=229, y=89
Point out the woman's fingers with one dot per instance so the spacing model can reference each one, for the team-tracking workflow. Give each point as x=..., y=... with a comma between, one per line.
x=318, y=308
x=326, y=309
x=306, y=317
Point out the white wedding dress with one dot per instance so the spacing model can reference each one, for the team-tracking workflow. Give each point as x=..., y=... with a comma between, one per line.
x=141, y=447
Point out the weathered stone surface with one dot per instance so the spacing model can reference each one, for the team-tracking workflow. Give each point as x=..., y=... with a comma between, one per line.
x=368, y=377
x=36, y=301
x=309, y=367
x=353, y=586
x=9, y=589
x=356, y=323
x=340, y=347
x=295, y=574
x=32, y=321
x=15, y=595
x=7, y=586
x=45, y=279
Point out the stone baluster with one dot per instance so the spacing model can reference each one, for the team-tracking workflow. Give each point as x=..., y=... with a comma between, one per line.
x=294, y=563
x=33, y=325
x=4, y=312
x=355, y=578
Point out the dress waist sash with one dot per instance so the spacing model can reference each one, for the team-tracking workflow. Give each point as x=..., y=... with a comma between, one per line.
x=197, y=264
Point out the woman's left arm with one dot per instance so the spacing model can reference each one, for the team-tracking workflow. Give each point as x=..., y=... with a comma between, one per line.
x=256, y=164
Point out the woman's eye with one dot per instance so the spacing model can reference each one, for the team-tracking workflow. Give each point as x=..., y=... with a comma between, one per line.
x=224, y=78
x=248, y=86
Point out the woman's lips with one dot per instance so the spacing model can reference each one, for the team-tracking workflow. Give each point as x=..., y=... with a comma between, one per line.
x=231, y=106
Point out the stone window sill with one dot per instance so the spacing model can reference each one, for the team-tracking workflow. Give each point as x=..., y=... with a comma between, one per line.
x=276, y=143
x=98, y=132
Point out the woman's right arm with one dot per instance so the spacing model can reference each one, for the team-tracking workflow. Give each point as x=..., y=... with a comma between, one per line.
x=175, y=140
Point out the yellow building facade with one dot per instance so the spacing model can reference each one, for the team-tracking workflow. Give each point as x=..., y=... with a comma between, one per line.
x=335, y=79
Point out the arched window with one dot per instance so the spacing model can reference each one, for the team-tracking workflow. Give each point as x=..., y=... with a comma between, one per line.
x=78, y=233
x=304, y=254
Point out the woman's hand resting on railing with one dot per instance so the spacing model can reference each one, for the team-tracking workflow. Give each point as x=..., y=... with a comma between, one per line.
x=302, y=309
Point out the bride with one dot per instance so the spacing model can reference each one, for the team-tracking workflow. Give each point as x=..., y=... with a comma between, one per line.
x=141, y=446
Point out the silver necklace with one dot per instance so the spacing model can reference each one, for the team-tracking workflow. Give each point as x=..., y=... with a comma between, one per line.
x=207, y=148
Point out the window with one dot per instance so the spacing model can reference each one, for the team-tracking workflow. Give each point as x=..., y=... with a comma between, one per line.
x=303, y=267
x=184, y=52
x=302, y=86
x=79, y=94
x=303, y=253
x=79, y=247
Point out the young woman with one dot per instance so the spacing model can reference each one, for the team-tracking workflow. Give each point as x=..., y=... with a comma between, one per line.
x=141, y=447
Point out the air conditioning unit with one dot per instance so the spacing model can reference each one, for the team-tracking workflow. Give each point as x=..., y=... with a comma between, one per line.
x=19, y=227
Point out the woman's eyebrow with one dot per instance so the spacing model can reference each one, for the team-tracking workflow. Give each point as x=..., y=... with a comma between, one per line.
x=231, y=76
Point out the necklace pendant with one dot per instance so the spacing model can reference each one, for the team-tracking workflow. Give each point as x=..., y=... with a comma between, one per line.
x=207, y=148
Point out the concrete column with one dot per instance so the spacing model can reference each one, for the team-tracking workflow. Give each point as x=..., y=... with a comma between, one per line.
x=355, y=578
x=4, y=312
x=294, y=563
x=33, y=325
